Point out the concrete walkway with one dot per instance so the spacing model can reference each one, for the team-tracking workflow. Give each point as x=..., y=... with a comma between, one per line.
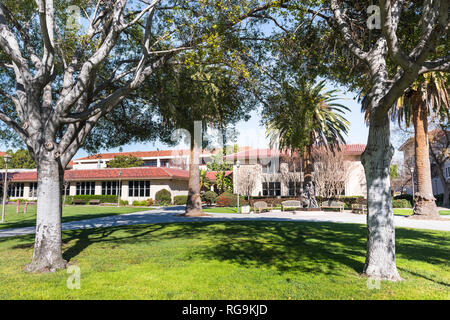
x=170, y=215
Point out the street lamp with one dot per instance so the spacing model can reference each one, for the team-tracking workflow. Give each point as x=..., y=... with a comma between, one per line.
x=238, y=164
x=6, y=157
x=119, y=189
x=412, y=180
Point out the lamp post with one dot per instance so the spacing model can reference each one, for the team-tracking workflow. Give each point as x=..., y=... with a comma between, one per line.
x=238, y=164
x=119, y=189
x=412, y=180
x=5, y=185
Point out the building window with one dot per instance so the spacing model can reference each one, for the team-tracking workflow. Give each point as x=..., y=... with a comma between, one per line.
x=447, y=172
x=165, y=163
x=294, y=188
x=110, y=188
x=15, y=190
x=85, y=188
x=271, y=188
x=151, y=163
x=139, y=188
x=33, y=189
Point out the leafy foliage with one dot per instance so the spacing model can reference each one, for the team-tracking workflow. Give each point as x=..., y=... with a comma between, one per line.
x=125, y=161
x=21, y=159
x=163, y=196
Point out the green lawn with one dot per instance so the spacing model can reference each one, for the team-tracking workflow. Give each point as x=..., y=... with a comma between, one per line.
x=397, y=211
x=408, y=212
x=228, y=260
x=70, y=213
x=222, y=210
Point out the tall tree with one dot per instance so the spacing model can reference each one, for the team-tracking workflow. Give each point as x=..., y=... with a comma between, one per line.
x=428, y=94
x=304, y=116
x=61, y=76
x=206, y=95
x=393, y=65
x=378, y=51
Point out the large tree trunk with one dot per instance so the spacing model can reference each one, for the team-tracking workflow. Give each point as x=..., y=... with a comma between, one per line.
x=380, y=255
x=47, y=254
x=194, y=201
x=424, y=201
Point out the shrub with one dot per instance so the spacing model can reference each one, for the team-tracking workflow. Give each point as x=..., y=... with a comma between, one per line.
x=124, y=202
x=163, y=196
x=401, y=203
x=405, y=196
x=139, y=203
x=180, y=200
x=86, y=198
x=347, y=200
x=149, y=202
x=227, y=199
x=209, y=197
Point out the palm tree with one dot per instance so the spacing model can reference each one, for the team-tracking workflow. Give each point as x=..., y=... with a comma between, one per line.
x=427, y=95
x=304, y=116
x=205, y=183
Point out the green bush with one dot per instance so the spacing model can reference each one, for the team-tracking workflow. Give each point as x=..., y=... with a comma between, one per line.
x=124, y=202
x=227, y=199
x=209, y=197
x=180, y=200
x=405, y=196
x=163, y=196
x=347, y=200
x=401, y=203
x=86, y=198
x=138, y=203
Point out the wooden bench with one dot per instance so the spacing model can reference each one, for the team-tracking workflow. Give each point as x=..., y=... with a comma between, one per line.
x=260, y=205
x=79, y=201
x=359, y=208
x=291, y=204
x=94, y=201
x=333, y=204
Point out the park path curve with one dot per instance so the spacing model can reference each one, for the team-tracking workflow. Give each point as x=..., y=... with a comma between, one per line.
x=171, y=215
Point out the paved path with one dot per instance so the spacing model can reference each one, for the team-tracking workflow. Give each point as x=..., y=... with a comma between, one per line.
x=169, y=215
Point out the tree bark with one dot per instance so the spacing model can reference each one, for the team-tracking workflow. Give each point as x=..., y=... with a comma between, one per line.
x=194, y=201
x=376, y=159
x=424, y=201
x=47, y=254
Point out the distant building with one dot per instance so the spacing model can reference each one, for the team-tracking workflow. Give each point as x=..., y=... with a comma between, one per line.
x=167, y=169
x=267, y=172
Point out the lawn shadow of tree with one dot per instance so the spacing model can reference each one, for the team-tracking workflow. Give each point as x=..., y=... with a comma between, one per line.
x=319, y=248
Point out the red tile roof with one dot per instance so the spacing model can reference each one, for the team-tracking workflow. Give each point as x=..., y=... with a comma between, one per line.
x=148, y=154
x=211, y=175
x=142, y=154
x=109, y=174
x=348, y=149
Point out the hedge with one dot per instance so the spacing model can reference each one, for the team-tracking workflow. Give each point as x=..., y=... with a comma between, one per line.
x=142, y=203
x=347, y=200
x=405, y=196
x=180, y=200
x=86, y=198
x=401, y=203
